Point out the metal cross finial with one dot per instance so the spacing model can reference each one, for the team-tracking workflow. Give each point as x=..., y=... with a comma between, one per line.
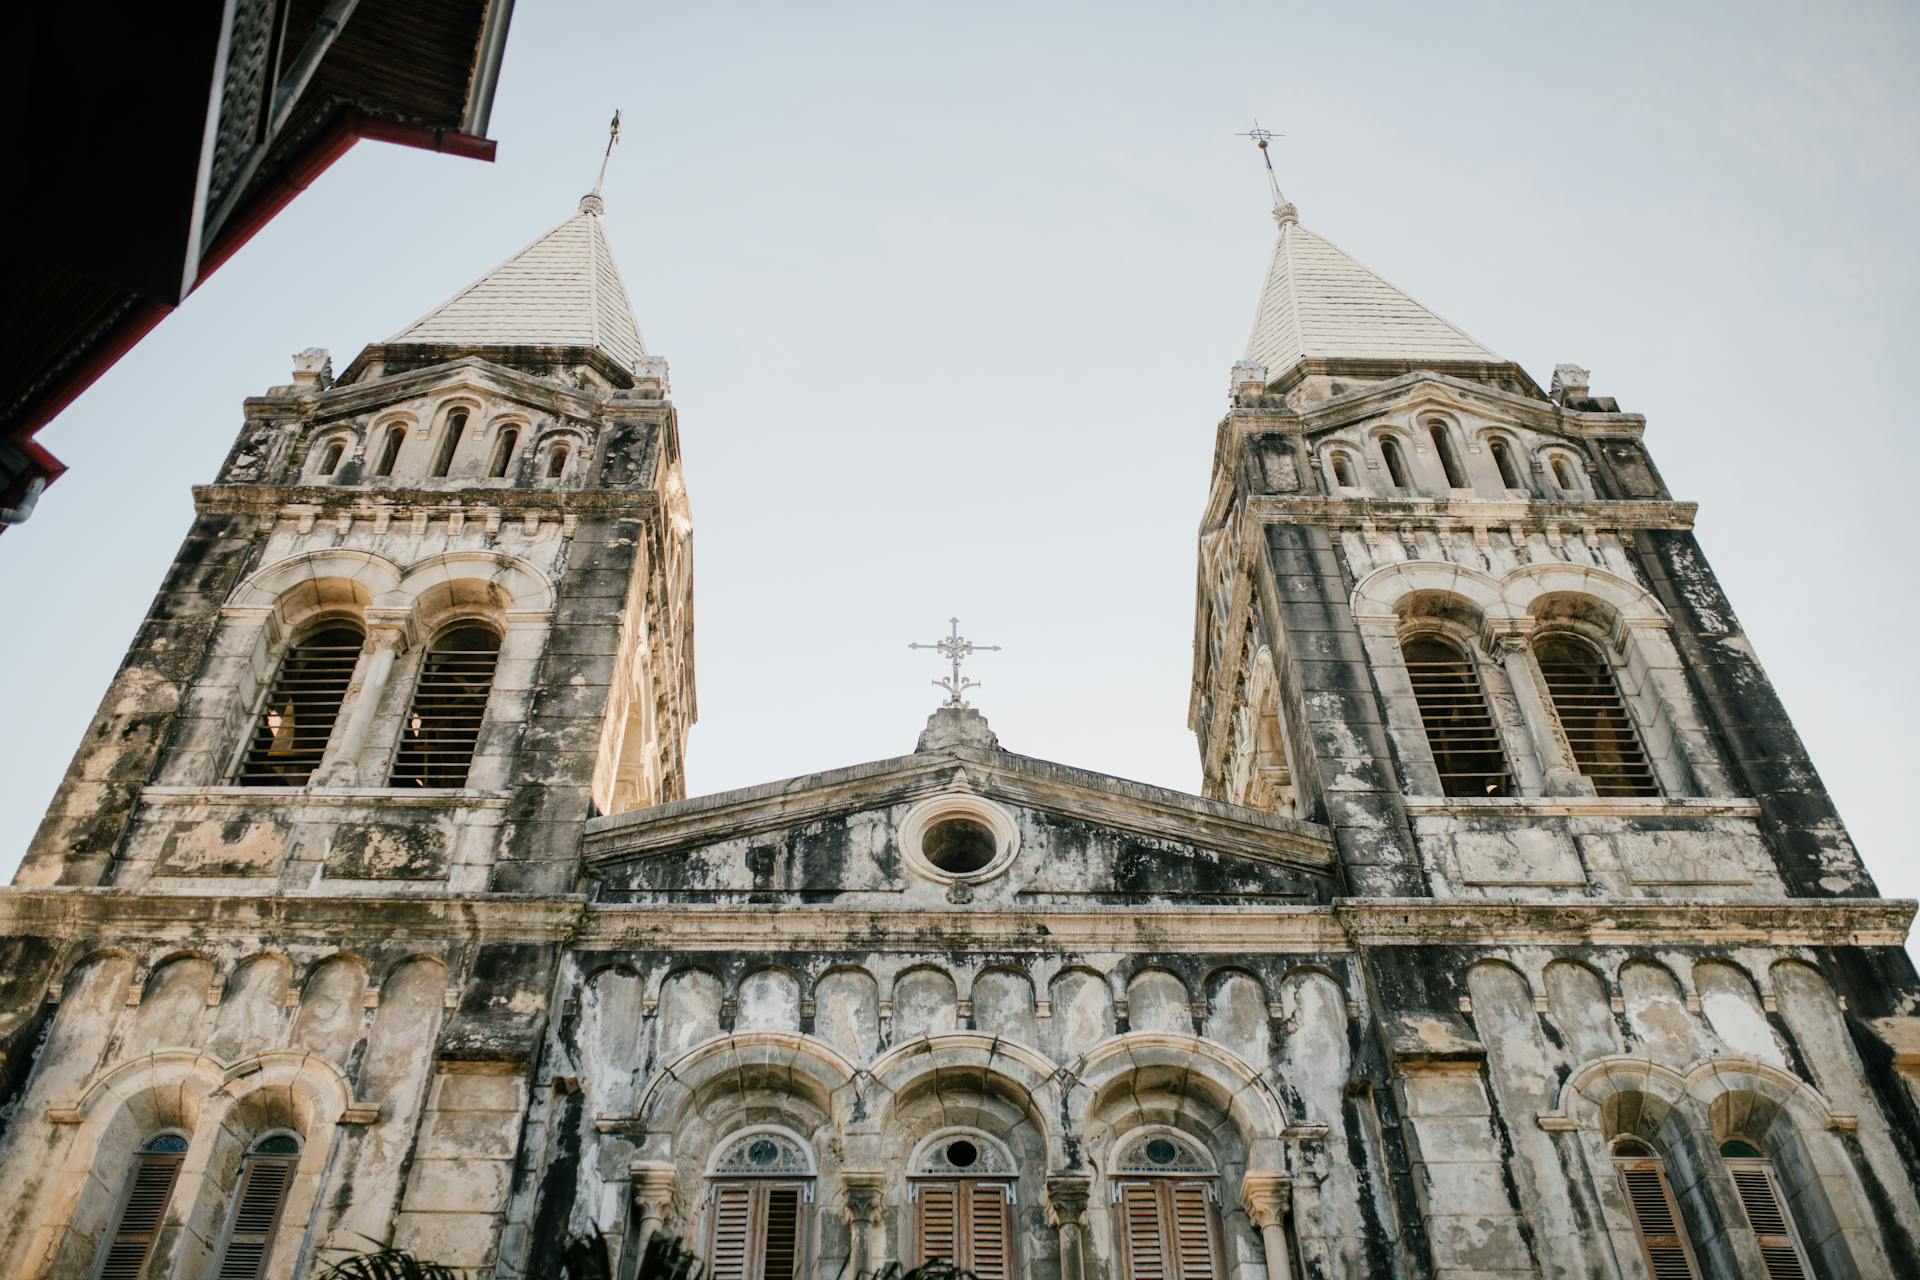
x=1262, y=137
x=956, y=650
x=613, y=136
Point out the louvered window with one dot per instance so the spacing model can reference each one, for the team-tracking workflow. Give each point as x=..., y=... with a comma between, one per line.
x=143, y=1206
x=1600, y=730
x=1169, y=1230
x=259, y=1194
x=1767, y=1212
x=291, y=734
x=1656, y=1218
x=756, y=1231
x=449, y=702
x=969, y=1223
x=1453, y=710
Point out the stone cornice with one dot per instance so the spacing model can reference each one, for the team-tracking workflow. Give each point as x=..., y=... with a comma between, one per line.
x=1526, y=807
x=131, y=915
x=1795, y=922
x=326, y=502
x=1640, y=513
x=1015, y=779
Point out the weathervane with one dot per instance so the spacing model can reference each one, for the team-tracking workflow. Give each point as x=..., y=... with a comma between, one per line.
x=956, y=650
x=1282, y=211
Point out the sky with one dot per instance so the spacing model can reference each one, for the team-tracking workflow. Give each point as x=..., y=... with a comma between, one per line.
x=950, y=295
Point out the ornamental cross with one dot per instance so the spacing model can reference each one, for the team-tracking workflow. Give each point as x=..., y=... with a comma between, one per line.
x=956, y=650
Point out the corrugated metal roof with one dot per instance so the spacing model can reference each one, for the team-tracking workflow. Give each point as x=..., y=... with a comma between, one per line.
x=562, y=290
x=1318, y=302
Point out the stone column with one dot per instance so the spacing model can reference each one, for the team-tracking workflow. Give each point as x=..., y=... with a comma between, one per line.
x=1265, y=1197
x=653, y=1186
x=342, y=765
x=865, y=1211
x=1563, y=777
x=1067, y=1196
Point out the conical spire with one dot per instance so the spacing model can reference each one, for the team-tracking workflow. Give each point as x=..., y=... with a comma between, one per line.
x=562, y=290
x=1319, y=303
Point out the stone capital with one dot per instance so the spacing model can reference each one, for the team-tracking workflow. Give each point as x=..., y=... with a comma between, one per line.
x=866, y=1195
x=1265, y=1196
x=1067, y=1198
x=653, y=1185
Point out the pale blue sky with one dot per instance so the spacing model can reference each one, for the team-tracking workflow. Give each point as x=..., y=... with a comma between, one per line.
x=950, y=295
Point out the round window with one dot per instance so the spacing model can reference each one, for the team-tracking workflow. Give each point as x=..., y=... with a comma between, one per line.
x=959, y=845
x=962, y=1154
x=1160, y=1151
x=762, y=1152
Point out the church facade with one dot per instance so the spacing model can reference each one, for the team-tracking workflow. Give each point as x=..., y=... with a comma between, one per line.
x=1514, y=934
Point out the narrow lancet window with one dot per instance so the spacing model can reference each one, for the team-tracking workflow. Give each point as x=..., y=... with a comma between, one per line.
x=442, y=728
x=330, y=458
x=253, y=1218
x=390, y=451
x=1396, y=464
x=143, y=1206
x=1586, y=698
x=1342, y=471
x=1503, y=460
x=1562, y=475
x=503, y=453
x=1443, y=449
x=1766, y=1209
x=449, y=441
x=1453, y=710
x=297, y=719
x=1656, y=1217
x=557, y=461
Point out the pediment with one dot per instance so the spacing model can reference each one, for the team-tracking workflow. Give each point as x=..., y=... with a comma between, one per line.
x=850, y=835
x=471, y=375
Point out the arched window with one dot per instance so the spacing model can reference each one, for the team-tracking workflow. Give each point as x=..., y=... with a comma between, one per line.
x=1656, y=1217
x=297, y=719
x=1443, y=447
x=1586, y=698
x=1453, y=710
x=143, y=1205
x=1503, y=460
x=259, y=1193
x=1396, y=464
x=1167, y=1192
x=1767, y=1214
x=449, y=702
x=390, y=450
x=756, y=1210
x=330, y=457
x=962, y=1187
x=1562, y=473
x=449, y=441
x=503, y=452
x=557, y=460
x=1343, y=471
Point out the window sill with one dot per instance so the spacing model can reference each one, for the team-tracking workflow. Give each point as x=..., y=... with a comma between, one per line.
x=1581, y=807
x=403, y=797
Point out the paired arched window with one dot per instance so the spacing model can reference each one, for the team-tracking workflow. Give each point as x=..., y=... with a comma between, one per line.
x=450, y=434
x=1766, y=1209
x=963, y=1189
x=297, y=718
x=390, y=450
x=1600, y=731
x=503, y=452
x=449, y=702
x=1342, y=470
x=253, y=1216
x=1453, y=710
x=1656, y=1216
x=759, y=1188
x=1503, y=462
x=144, y=1195
x=1396, y=463
x=1166, y=1193
x=1449, y=461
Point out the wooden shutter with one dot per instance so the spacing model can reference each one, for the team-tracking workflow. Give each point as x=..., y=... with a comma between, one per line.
x=1192, y=1216
x=1169, y=1230
x=939, y=1221
x=256, y=1215
x=1767, y=1215
x=1140, y=1229
x=142, y=1206
x=989, y=1251
x=756, y=1231
x=1657, y=1218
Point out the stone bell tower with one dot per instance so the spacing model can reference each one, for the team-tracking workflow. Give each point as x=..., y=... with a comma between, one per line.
x=434, y=613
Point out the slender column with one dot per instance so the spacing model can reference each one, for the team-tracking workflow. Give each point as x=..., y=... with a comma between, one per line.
x=342, y=765
x=1515, y=652
x=864, y=1210
x=653, y=1189
x=1067, y=1196
x=1265, y=1197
